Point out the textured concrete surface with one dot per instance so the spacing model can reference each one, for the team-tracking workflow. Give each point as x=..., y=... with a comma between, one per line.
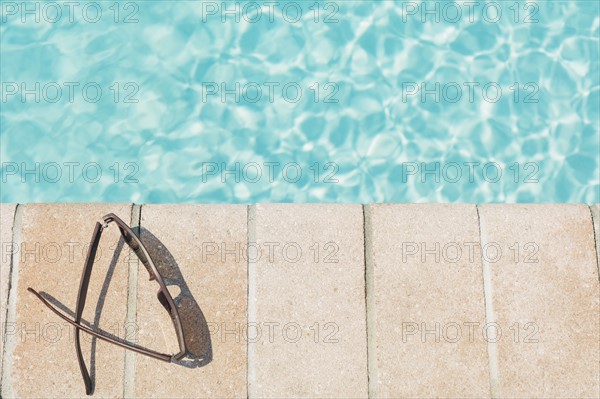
x=40, y=360
x=7, y=214
x=198, y=249
x=545, y=299
x=426, y=302
x=596, y=219
x=307, y=299
x=310, y=300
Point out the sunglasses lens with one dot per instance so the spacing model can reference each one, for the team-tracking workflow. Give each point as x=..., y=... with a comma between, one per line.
x=133, y=243
x=163, y=300
x=193, y=324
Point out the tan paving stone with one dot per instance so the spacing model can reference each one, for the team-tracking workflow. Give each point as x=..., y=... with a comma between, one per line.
x=539, y=271
x=40, y=348
x=596, y=219
x=425, y=302
x=7, y=213
x=545, y=299
x=200, y=248
x=307, y=299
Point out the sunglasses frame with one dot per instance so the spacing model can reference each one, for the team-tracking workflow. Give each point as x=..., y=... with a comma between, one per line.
x=164, y=297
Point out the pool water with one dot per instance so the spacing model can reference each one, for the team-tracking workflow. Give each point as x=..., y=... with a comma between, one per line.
x=300, y=101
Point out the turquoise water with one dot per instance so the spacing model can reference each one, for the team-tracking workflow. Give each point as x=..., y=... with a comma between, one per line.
x=190, y=101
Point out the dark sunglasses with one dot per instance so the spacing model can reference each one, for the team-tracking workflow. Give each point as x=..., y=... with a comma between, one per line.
x=163, y=295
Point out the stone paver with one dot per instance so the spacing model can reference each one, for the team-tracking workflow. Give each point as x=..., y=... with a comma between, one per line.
x=199, y=249
x=41, y=358
x=596, y=218
x=425, y=302
x=7, y=213
x=545, y=299
x=288, y=317
x=307, y=323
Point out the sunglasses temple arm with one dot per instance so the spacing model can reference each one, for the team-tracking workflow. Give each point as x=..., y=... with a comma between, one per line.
x=142, y=351
x=81, y=297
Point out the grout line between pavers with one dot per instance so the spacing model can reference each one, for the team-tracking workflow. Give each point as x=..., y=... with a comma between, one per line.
x=490, y=316
x=596, y=246
x=131, y=318
x=6, y=296
x=372, y=369
x=11, y=307
x=251, y=294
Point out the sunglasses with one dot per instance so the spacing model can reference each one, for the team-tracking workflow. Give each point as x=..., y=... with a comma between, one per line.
x=163, y=295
